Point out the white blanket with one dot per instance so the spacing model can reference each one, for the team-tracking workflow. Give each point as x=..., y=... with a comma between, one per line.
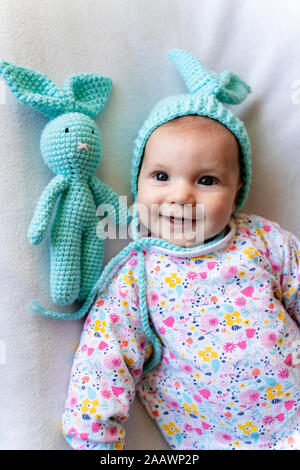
x=126, y=40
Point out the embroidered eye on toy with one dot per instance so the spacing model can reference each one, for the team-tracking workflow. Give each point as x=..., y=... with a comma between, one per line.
x=71, y=147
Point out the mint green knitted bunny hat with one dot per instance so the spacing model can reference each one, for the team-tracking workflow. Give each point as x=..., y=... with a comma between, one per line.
x=207, y=93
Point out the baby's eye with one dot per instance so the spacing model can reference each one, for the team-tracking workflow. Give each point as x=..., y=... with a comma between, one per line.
x=66, y=130
x=161, y=176
x=207, y=180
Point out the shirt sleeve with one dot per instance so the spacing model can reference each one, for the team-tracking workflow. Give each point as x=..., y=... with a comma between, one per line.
x=290, y=276
x=107, y=365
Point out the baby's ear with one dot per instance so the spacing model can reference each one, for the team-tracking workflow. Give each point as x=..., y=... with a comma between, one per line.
x=89, y=91
x=32, y=88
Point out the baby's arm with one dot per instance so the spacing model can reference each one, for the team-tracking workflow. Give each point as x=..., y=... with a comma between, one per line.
x=290, y=277
x=107, y=365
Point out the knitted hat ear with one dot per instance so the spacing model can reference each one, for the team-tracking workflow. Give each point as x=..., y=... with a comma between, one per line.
x=32, y=88
x=232, y=90
x=227, y=87
x=89, y=92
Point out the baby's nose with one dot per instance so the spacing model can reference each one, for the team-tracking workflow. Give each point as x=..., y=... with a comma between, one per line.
x=81, y=145
x=183, y=194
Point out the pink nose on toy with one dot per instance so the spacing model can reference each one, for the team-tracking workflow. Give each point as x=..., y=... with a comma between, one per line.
x=82, y=146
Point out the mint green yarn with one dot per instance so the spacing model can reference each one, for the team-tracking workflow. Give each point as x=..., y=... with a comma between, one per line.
x=71, y=147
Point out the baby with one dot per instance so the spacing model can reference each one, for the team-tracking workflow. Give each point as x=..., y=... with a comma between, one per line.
x=199, y=317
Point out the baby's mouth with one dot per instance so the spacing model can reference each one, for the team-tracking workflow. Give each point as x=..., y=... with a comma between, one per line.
x=177, y=220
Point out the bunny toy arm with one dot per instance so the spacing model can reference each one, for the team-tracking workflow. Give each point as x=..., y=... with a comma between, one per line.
x=104, y=194
x=44, y=209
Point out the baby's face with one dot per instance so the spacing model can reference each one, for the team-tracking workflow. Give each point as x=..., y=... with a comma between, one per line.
x=189, y=181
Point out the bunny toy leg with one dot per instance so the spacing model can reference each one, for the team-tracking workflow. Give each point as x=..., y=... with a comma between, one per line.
x=92, y=252
x=65, y=263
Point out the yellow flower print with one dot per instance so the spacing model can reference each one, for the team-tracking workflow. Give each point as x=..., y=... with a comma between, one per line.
x=100, y=325
x=247, y=427
x=171, y=428
x=118, y=445
x=173, y=280
x=89, y=405
x=207, y=354
x=242, y=274
x=260, y=232
x=251, y=252
x=290, y=291
x=190, y=408
x=273, y=392
x=124, y=303
x=281, y=316
x=128, y=278
x=231, y=318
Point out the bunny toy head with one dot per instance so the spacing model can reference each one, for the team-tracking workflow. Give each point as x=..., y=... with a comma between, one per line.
x=71, y=145
x=70, y=142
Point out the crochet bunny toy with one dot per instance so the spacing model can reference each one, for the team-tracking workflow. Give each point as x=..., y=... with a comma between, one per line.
x=71, y=148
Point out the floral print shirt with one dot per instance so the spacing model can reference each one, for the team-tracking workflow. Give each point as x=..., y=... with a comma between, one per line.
x=228, y=321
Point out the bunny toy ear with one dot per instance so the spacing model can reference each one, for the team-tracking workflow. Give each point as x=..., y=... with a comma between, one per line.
x=89, y=91
x=85, y=93
x=33, y=88
x=227, y=87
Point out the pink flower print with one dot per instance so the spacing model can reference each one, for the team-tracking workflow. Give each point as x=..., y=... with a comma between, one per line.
x=199, y=431
x=132, y=262
x=84, y=436
x=283, y=374
x=209, y=322
x=161, y=330
x=250, y=332
x=197, y=398
x=267, y=228
x=112, y=361
x=192, y=275
x=152, y=298
x=72, y=432
x=96, y=427
x=171, y=403
x=288, y=360
x=205, y=425
x=205, y=393
x=240, y=301
x=102, y=345
x=275, y=266
x=229, y=347
x=211, y=264
x=169, y=321
x=185, y=367
x=228, y=272
x=223, y=437
x=268, y=420
x=106, y=393
x=268, y=339
x=289, y=404
x=188, y=427
x=248, y=291
x=117, y=391
x=111, y=433
x=203, y=275
x=142, y=343
x=249, y=397
x=114, y=318
x=72, y=400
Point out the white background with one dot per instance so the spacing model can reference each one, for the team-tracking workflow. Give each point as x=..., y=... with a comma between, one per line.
x=127, y=41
